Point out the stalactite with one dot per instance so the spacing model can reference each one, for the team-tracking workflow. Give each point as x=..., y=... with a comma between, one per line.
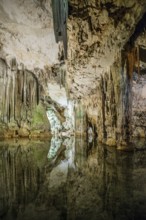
x=138, y=61
x=14, y=93
x=60, y=78
x=38, y=92
x=19, y=94
x=131, y=60
x=24, y=86
x=103, y=98
x=64, y=78
x=30, y=94
x=7, y=97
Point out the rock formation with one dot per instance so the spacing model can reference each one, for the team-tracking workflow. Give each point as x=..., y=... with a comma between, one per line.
x=103, y=56
x=100, y=90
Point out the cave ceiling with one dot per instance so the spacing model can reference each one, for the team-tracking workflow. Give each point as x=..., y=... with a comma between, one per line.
x=97, y=32
x=26, y=33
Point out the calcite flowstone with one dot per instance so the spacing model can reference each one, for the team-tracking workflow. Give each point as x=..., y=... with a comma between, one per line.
x=102, y=57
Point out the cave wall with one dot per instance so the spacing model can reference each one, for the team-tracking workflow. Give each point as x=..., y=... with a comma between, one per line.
x=21, y=113
x=101, y=63
x=97, y=78
x=139, y=90
x=108, y=112
x=139, y=106
x=97, y=32
x=28, y=53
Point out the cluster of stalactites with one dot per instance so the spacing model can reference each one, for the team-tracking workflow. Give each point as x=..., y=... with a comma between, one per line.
x=60, y=15
x=19, y=93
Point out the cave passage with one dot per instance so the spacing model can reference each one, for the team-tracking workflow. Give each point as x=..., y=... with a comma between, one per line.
x=72, y=110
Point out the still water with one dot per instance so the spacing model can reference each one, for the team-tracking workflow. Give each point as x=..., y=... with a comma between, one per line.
x=71, y=180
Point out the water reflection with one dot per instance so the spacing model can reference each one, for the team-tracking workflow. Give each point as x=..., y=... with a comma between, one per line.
x=73, y=180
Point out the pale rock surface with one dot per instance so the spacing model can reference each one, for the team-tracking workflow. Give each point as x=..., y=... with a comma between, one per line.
x=26, y=33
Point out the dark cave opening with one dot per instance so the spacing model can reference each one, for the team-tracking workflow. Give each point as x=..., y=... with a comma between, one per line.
x=140, y=27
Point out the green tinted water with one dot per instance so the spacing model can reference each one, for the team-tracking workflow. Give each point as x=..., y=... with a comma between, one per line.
x=71, y=180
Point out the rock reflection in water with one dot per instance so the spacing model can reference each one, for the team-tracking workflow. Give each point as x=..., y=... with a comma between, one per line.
x=76, y=181
x=21, y=176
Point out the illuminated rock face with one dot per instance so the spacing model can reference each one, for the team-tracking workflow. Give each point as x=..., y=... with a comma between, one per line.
x=102, y=58
x=27, y=53
x=95, y=89
x=98, y=30
x=18, y=98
